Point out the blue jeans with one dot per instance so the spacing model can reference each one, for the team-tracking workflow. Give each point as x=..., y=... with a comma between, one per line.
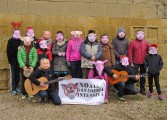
x=52, y=95
x=120, y=87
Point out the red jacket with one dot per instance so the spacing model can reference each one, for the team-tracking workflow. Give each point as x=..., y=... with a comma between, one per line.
x=44, y=54
x=137, y=51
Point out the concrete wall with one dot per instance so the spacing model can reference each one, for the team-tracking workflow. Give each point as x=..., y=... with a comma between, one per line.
x=104, y=16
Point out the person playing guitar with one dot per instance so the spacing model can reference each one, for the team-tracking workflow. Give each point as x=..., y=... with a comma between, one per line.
x=45, y=71
x=124, y=88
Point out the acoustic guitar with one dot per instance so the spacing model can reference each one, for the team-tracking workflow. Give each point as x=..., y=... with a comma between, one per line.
x=122, y=77
x=33, y=89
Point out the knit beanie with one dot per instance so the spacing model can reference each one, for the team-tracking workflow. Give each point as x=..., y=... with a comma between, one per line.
x=121, y=29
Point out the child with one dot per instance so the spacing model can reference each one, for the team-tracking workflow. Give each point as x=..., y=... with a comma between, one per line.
x=73, y=55
x=124, y=88
x=107, y=51
x=44, y=71
x=153, y=64
x=11, y=50
x=91, y=51
x=43, y=52
x=97, y=72
x=60, y=67
x=27, y=58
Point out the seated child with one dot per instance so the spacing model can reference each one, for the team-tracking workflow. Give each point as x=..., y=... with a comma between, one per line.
x=44, y=71
x=153, y=64
x=124, y=88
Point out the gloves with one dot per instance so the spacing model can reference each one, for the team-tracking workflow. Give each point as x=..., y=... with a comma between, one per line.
x=68, y=64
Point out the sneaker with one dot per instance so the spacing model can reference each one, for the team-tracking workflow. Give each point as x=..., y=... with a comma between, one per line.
x=14, y=92
x=30, y=97
x=150, y=94
x=160, y=97
x=143, y=92
x=121, y=98
x=23, y=97
x=18, y=90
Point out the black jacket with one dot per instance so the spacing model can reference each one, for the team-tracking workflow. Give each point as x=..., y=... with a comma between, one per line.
x=153, y=64
x=119, y=67
x=42, y=73
x=12, y=48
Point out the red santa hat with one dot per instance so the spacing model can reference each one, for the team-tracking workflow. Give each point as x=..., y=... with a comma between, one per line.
x=16, y=25
x=123, y=56
x=153, y=45
x=29, y=28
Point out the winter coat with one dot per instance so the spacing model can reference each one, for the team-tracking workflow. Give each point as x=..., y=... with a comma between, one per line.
x=59, y=62
x=108, y=54
x=73, y=49
x=153, y=64
x=87, y=51
x=12, y=49
x=42, y=73
x=120, y=47
x=137, y=51
x=21, y=56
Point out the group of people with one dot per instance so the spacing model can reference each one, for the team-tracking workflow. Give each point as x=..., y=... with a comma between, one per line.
x=51, y=59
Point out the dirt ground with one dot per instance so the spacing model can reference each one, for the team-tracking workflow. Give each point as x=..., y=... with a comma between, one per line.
x=136, y=107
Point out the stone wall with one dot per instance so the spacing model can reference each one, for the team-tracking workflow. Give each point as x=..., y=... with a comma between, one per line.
x=104, y=16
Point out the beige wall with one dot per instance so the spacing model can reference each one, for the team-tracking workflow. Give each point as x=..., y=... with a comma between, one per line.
x=104, y=16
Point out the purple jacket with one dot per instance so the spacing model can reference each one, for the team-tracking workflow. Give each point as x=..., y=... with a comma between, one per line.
x=73, y=49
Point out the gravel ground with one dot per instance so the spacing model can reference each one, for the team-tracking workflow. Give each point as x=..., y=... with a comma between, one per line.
x=136, y=107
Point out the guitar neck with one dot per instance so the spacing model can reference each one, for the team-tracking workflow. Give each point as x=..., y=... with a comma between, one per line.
x=55, y=80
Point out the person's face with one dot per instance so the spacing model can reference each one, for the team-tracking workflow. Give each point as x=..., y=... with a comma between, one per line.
x=104, y=39
x=30, y=33
x=77, y=34
x=59, y=37
x=92, y=37
x=125, y=61
x=121, y=34
x=45, y=64
x=46, y=35
x=140, y=35
x=153, y=50
x=16, y=34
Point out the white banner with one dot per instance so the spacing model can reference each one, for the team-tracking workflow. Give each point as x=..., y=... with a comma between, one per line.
x=82, y=91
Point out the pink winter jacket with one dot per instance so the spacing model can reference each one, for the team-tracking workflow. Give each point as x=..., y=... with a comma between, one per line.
x=138, y=50
x=73, y=49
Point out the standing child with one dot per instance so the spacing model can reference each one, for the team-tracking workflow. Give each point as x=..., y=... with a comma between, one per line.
x=107, y=51
x=60, y=67
x=11, y=50
x=73, y=55
x=153, y=64
x=27, y=58
x=91, y=51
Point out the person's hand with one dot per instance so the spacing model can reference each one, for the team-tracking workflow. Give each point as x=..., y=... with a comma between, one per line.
x=93, y=58
x=31, y=69
x=59, y=54
x=63, y=53
x=68, y=64
x=137, y=77
x=114, y=76
x=42, y=85
x=132, y=65
x=25, y=68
